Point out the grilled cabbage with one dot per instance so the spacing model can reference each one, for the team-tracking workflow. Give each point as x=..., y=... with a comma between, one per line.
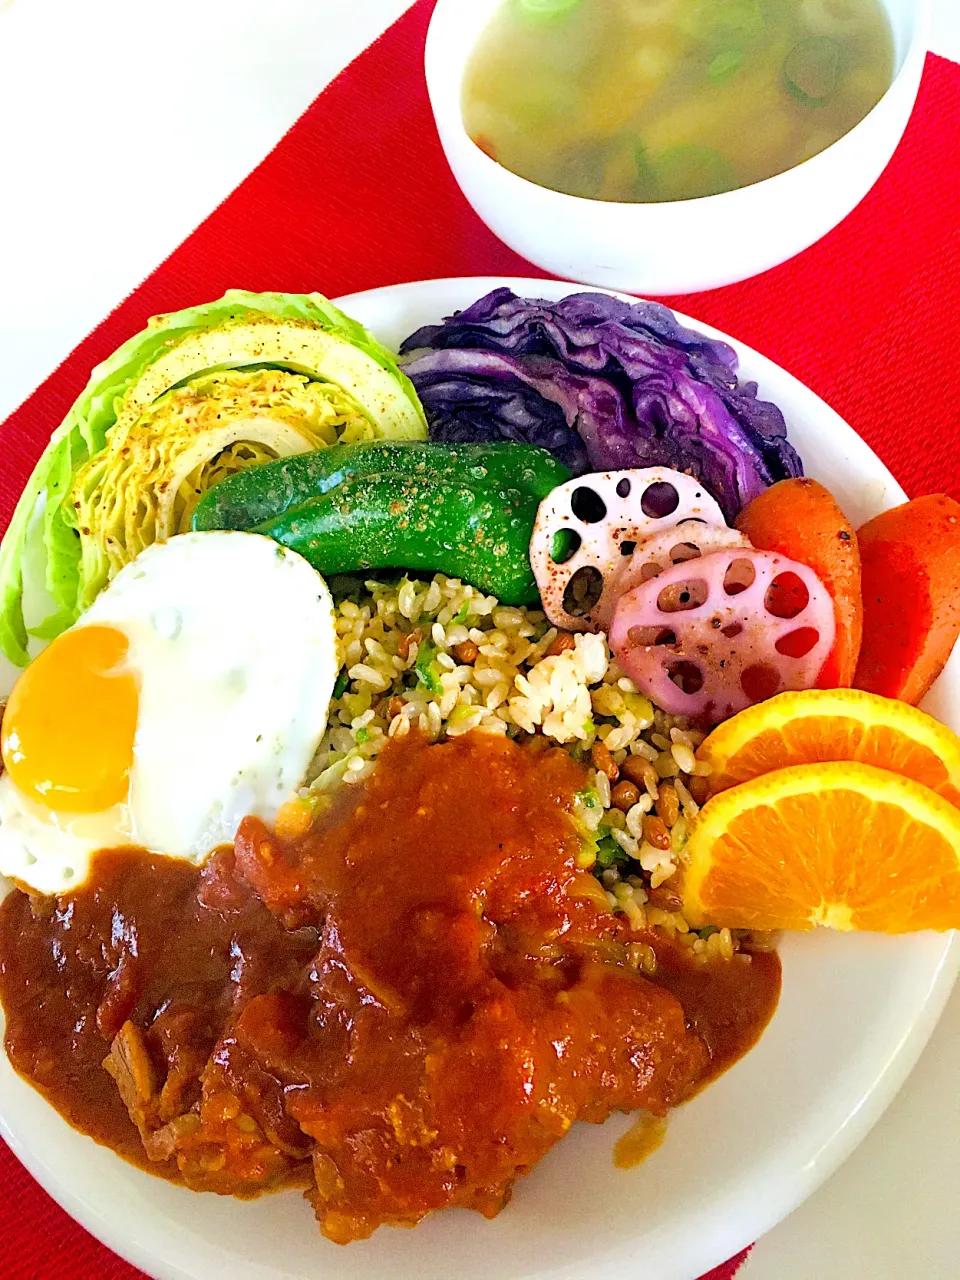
x=198, y=395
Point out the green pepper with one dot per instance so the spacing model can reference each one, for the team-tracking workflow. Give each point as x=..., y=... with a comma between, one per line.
x=464, y=510
x=565, y=544
x=479, y=533
x=257, y=495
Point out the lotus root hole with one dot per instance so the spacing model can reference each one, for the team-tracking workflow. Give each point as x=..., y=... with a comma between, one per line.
x=684, y=551
x=687, y=676
x=787, y=595
x=623, y=488
x=627, y=548
x=731, y=630
x=797, y=644
x=587, y=505
x=566, y=543
x=679, y=597
x=583, y=591
x=739, y=576
x=659, y=500
x=650, y=570
x=759, y=681
x=645, y=637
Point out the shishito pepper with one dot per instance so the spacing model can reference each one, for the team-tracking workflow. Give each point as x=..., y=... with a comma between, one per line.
x=465, y=510
x=258, y=494
x=480, y=534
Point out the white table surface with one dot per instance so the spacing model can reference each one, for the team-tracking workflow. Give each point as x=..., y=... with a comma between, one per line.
x=122, y=125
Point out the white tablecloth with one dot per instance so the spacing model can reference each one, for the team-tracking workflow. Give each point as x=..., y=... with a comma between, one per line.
x=122, y=124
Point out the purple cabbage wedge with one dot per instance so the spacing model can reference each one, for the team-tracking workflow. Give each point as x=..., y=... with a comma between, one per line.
x=604, y=385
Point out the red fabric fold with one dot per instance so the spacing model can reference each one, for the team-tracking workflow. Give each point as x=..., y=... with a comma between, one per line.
x=869, y=318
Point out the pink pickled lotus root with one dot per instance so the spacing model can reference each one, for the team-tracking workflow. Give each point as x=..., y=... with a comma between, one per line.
x=709, y=638
x=605, y=516
x=686, y=541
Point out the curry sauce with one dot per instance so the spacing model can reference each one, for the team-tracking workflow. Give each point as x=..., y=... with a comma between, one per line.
x=402, y=1010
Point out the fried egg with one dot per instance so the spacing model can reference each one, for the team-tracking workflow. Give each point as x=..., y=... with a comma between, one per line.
x=192, y=693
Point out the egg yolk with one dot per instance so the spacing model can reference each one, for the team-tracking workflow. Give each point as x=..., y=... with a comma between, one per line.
x=69, y=727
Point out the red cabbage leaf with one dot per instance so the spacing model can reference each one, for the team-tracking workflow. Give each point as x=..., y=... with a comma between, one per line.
x=603, y=384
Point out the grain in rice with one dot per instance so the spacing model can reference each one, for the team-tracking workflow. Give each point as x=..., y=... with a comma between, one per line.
x=684, y=757
x=635, y=815
x=689, y=805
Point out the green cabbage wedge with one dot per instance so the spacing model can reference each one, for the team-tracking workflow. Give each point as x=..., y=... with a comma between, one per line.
x=198, y=395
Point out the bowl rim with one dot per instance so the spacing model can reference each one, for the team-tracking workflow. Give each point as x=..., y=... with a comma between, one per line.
x=906, y=79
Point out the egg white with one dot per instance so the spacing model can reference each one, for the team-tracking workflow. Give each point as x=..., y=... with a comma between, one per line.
x=233, y=643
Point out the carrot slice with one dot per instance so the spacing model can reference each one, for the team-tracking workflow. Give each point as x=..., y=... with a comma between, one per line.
x=801, y=520
x=911, y=596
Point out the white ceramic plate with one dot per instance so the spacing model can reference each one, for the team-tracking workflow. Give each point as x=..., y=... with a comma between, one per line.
x=854, y=1016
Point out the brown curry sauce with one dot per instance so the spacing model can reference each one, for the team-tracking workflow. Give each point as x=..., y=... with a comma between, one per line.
x=403, y=1010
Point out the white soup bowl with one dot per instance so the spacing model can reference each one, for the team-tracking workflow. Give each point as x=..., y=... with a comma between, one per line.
x=676, y=246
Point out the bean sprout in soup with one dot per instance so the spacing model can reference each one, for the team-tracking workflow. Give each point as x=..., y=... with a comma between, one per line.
x=649, y=100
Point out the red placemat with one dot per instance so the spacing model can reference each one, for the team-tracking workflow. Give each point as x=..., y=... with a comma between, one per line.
x=869, y=318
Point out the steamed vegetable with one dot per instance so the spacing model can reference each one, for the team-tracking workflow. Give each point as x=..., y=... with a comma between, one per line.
x=801, y=519
x=604, y=385
x=467, y=512
x=144, y=439
x=911, y=596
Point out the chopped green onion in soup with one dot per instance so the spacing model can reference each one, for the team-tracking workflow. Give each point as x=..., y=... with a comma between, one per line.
x=663, y=100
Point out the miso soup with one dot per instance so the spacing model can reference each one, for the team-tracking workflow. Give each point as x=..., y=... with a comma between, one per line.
x=646, y=100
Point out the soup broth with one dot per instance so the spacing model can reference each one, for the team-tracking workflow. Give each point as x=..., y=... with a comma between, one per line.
x=650, y=100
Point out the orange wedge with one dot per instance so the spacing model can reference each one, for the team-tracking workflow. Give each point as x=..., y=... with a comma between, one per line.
x=830, y=725
x=847, y=846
